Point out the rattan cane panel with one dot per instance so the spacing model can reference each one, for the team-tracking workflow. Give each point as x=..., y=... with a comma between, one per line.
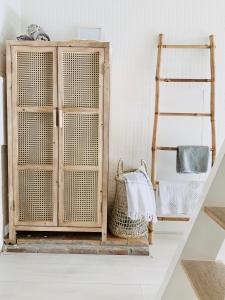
x=34, y=79
x=35, y=195
x=35, y=138
x=81, y=79
x=81, y=139
x=80, y=196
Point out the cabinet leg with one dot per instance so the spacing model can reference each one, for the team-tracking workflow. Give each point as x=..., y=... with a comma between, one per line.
x=104, y=236
x=12, y=235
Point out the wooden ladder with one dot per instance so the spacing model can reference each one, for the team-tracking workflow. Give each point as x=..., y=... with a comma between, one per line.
x=158, y=113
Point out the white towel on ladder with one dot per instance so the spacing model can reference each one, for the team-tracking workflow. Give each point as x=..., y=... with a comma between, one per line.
x=179, y=197
x=140, y=195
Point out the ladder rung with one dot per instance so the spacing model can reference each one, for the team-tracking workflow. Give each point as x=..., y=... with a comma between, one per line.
x=183, y=114
x=183, y=80
x=169, y=148
x=183, y=218
x=186, y=46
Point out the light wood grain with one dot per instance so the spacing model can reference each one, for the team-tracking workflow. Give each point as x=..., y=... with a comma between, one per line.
x=35, y=167
x=207, y=278
x=158, y=113
x=217, y=214
x=178, y=114
x=183, y=80
x=35, y=109
x=59, y=228
x=157, y=98
x=173, y=218
x=70, y=43
x=14, y=136
x=81, y=168
x=155, y=126
x=58, y=111
x=105, y=166
x=80, y=110
x=55, y=139
x=12, y=231
x=100, y=133
x=212, y=97
x=71, y=110
x=164, y=148
x=16, y=166
x=186, y=46
x=61, y=138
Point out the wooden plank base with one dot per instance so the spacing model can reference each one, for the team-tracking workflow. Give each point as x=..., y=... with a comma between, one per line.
x=77, y=243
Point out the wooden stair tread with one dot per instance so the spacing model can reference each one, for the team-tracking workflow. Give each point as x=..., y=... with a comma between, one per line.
x=207, y=278
x=217, y=214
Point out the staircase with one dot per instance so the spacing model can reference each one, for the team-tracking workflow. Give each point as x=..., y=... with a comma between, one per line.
x=195, y=271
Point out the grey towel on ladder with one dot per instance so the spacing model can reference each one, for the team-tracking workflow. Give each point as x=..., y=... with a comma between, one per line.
x=192, y=159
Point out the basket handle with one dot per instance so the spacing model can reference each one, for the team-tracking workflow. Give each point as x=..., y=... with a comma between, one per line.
x=120, y=167
x=143, y=163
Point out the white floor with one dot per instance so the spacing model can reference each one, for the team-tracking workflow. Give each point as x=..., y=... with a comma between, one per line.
x=86, y=277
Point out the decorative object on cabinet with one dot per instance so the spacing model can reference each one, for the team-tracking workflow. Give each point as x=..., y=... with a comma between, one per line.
x=34, y=33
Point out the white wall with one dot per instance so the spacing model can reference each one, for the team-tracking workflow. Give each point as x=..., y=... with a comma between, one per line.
x=9, y=27
x=10, y=20
x=132, y=27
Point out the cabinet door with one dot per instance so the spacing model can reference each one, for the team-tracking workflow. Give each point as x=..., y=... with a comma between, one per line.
x=35, y=135
x=80, y=72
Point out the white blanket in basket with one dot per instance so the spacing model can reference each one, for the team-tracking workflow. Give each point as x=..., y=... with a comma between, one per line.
x=140, y=195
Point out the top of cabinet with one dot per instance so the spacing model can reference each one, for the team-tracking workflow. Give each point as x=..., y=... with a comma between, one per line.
x=69, y=43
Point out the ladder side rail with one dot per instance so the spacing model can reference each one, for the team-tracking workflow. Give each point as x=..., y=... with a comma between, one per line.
x=212, y=97
x=157, y=98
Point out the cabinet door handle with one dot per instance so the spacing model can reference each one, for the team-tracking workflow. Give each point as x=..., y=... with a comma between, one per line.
x=55, y=117
x=60, y=118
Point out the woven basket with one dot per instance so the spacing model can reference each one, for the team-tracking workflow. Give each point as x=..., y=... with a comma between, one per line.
x=120, y=224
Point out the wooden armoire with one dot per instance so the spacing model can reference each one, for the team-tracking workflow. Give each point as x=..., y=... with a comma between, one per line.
x=58, y=112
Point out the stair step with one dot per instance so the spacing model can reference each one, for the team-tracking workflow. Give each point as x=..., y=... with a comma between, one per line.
x=207, y=278
x=217, y=214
